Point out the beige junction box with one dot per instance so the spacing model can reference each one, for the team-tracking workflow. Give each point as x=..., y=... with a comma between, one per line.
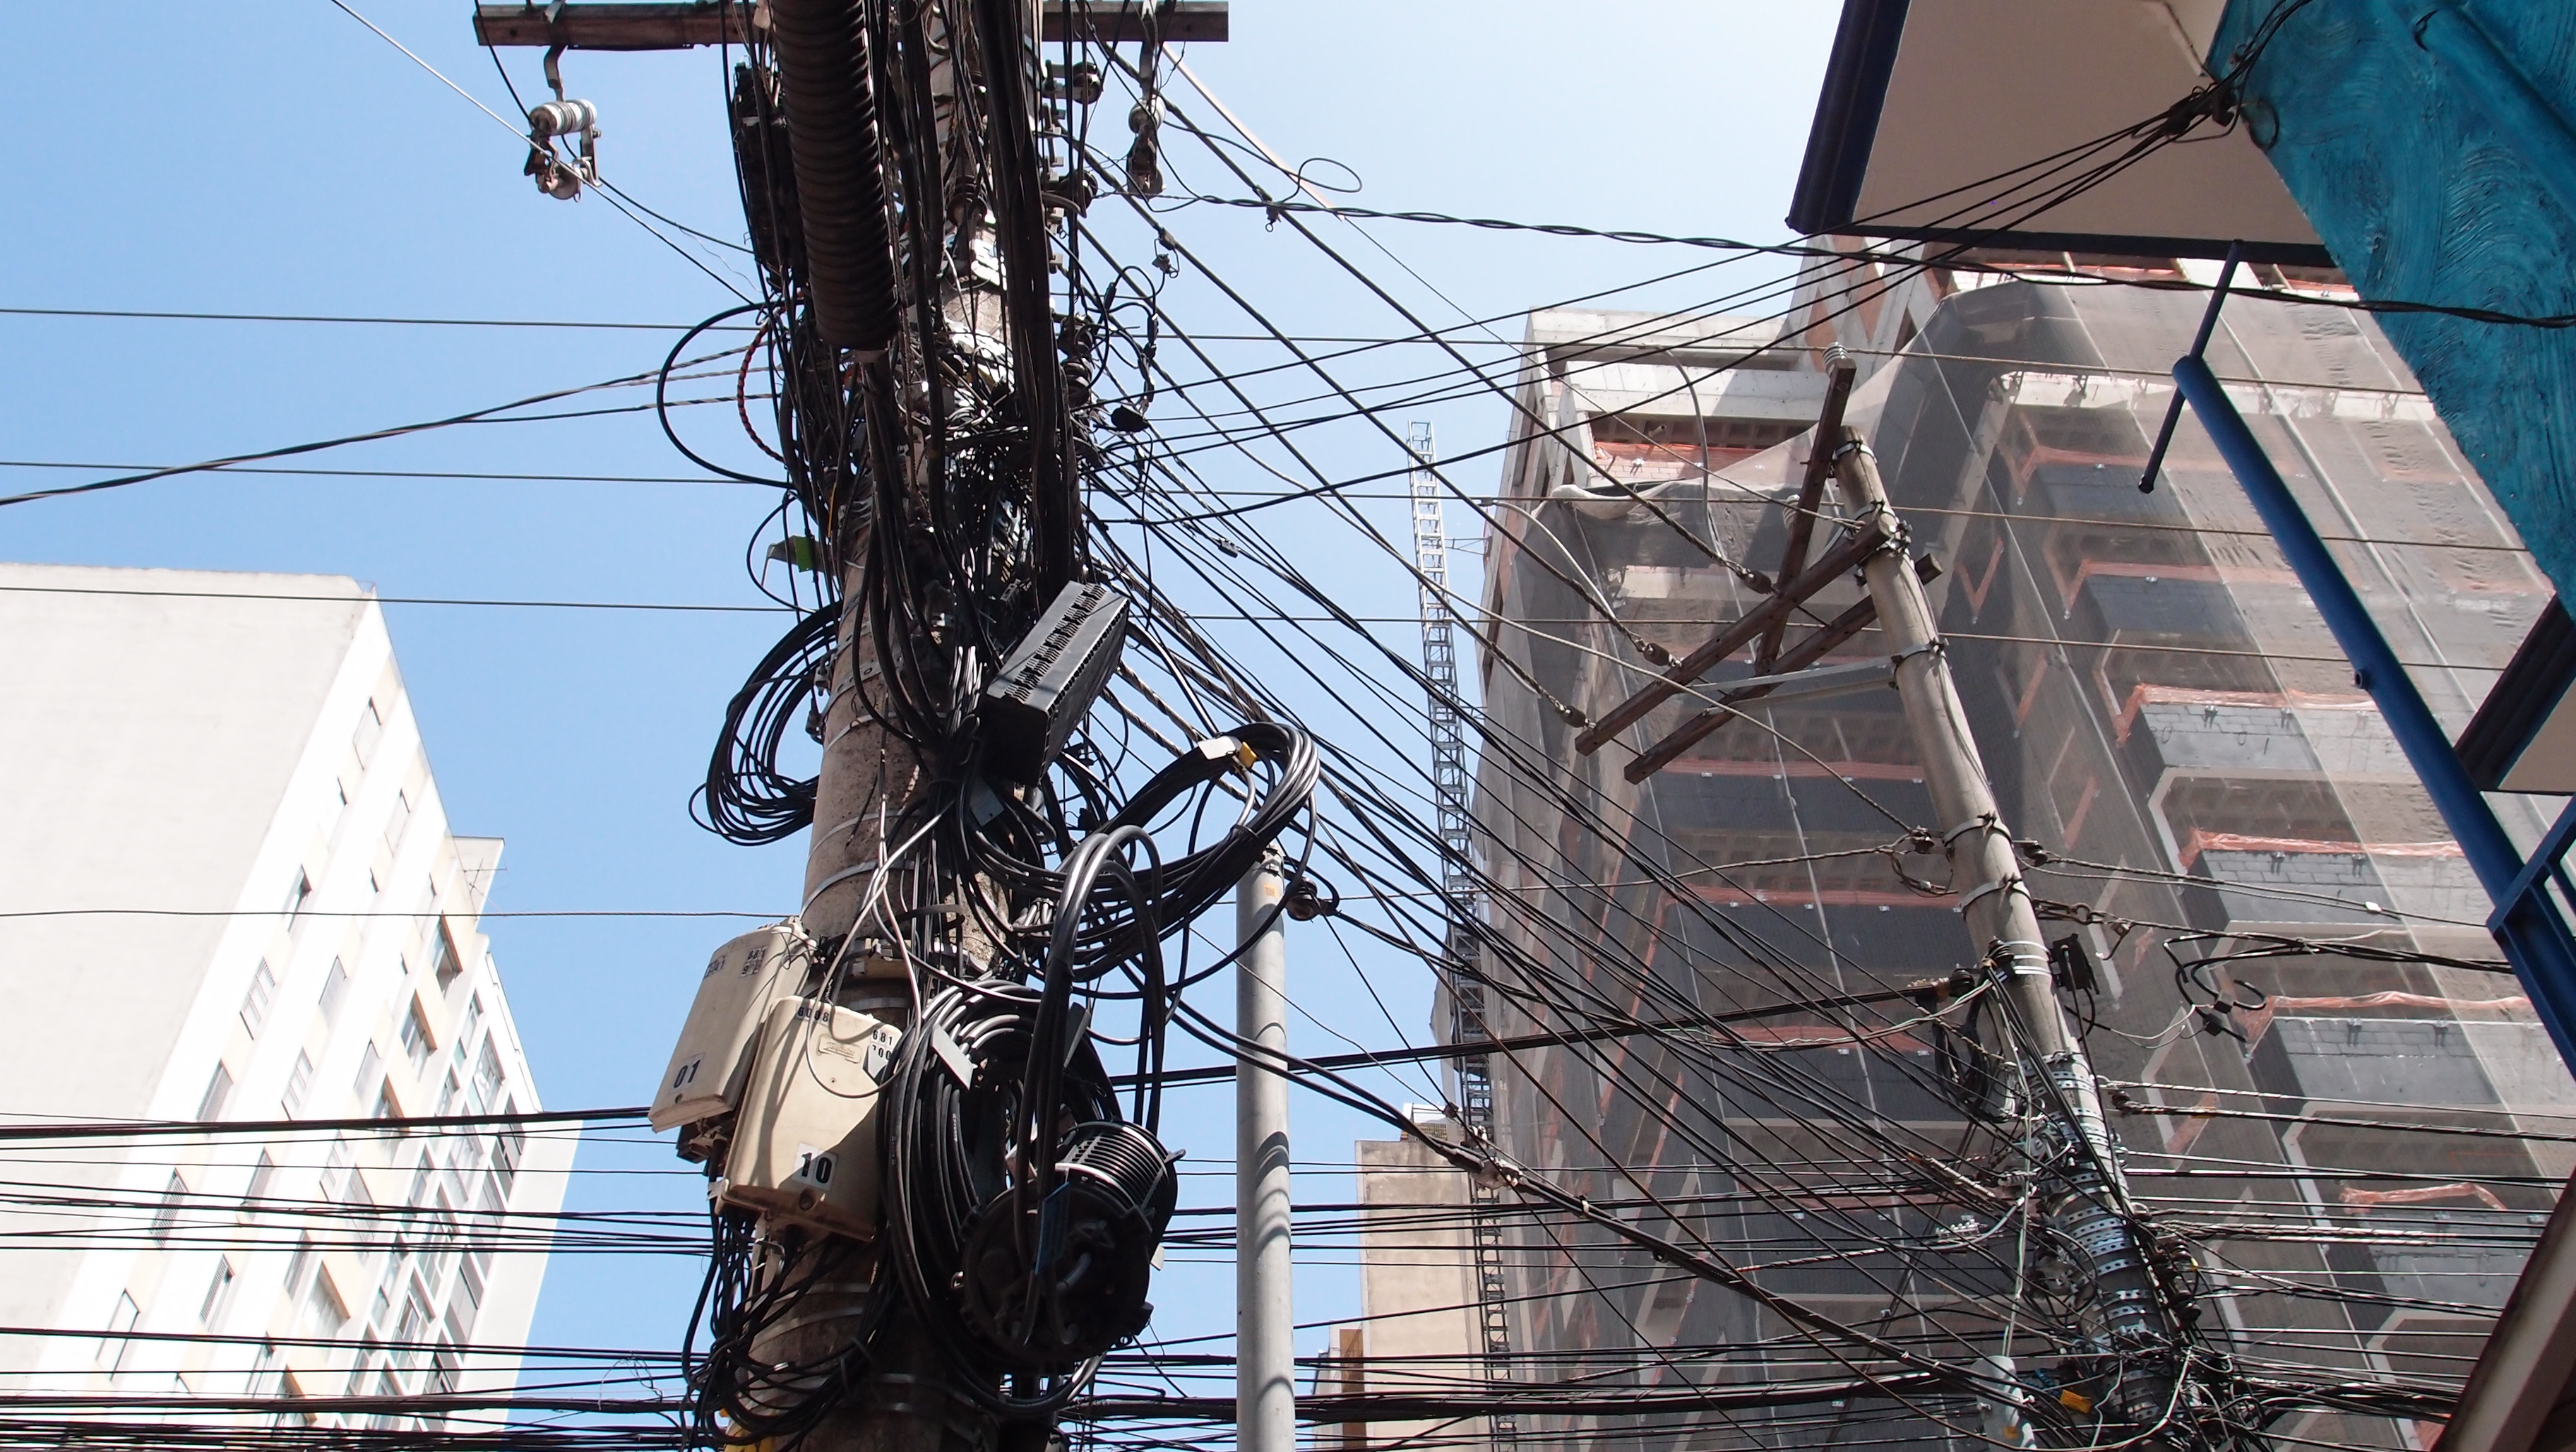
x=805, y=1147
x=712, y=1061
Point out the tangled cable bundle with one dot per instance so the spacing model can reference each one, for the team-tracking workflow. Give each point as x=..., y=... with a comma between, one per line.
x=746, y=798
x=752, y=1289
x=1163, y=894
x=1023, y=1206
x=1022, y=1201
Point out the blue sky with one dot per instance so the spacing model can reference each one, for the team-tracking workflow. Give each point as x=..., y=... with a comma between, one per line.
x=278, y=157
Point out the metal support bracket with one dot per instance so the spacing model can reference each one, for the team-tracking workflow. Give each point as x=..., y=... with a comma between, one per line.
x=2199, y=345
x=2545, y=859
x=1808, y=684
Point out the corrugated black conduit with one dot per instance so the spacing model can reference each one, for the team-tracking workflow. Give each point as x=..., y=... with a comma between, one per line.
x=822, y=53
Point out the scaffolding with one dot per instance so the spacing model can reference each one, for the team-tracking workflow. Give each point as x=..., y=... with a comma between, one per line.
x=1475, y=1107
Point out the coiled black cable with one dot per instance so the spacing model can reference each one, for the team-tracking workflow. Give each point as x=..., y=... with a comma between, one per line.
x=1118, y=916
x=949, y=1144
x=746, y=799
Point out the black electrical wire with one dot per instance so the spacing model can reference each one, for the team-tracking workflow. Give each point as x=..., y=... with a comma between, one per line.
x=746, y=799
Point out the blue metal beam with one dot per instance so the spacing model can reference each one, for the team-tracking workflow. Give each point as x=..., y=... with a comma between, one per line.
x=2526, y=925
x=2543, y=861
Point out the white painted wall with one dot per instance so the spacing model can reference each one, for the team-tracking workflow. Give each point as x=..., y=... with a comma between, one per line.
x=181, y=743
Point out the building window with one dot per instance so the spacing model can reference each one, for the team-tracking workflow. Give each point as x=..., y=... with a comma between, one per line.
x=298, y=1263
x=335, y=987
x=505, y=1161
x=415, y=1040
x=165, y=1216
x=445, y=1235
x=371, y=728
x=385, y=1107
x=218, y=1089
x=443, y=964
x=341, y=1182
x=120, y=1326
x=324, y=1316
x=413, y=1328
x=447, y=1092
x=299, y=1083
x=297, y=896
x=487, y=1079
x=469, y=1281
x=254, y=1009
x=371, y=1067
x=219, y=1293
x=399, y=823
x=257, y=1190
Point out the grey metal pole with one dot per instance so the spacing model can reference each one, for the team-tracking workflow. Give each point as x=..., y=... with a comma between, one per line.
x=1265, y=1398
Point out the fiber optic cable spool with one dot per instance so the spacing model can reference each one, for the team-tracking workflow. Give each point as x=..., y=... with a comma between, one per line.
x=713, y=1057
x=1067, y=1280
x=1050, y=681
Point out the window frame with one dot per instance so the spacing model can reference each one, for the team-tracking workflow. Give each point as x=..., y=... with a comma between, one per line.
x=219, y=1293
x=335, y=992
x=219, y=1092
x=299, y=1085
x=259, y=998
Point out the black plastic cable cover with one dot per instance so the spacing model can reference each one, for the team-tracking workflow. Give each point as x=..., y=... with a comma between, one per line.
x=822, y=52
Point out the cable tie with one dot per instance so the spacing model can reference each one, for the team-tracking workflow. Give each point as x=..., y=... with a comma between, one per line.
x=1974, y=894
x=828, y=883
x=1986, y=820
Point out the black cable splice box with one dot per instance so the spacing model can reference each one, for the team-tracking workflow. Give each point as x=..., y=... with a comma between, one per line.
x=1050, y=681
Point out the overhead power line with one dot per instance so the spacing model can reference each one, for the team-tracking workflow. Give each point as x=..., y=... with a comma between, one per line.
x=490, y=413
x=646, y=605
x=412, y=322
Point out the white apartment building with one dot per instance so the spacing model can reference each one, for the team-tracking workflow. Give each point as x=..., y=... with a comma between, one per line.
x=229, y=892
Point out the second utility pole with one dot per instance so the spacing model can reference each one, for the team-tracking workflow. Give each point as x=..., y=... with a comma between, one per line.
x=2130, y=1319
x=1265, y=1399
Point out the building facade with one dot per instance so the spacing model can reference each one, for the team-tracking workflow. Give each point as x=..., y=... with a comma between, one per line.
x=2329, y=1100
x=230, y=895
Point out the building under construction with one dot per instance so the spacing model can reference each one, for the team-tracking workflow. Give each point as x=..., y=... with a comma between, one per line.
x=2341, y=1123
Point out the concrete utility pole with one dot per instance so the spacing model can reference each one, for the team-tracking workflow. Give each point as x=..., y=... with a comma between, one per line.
x=1986, y=874
x=909, y=174
x=1265, y=1398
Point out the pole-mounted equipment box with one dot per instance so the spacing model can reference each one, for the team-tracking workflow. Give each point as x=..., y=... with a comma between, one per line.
x=712, y=1062
x=805, y=1144
x=1050, y=680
